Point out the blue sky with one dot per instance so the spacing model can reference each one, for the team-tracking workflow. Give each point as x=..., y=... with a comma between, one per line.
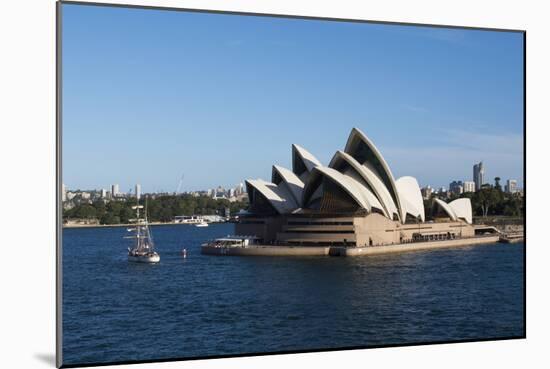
x=151, y=94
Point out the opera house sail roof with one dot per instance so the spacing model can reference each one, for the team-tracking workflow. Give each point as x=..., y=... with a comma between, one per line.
x=357, y=180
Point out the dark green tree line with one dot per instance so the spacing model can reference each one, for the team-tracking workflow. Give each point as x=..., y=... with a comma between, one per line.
x=488, y=201
x=159, y=209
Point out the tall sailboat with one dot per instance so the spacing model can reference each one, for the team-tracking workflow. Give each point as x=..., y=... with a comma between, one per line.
x=144, y=247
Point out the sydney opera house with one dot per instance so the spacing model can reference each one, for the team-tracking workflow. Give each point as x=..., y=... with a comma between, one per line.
x=354, y=201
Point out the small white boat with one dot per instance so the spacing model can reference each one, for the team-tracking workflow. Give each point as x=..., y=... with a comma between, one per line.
x=150, y=257
x=144, y=248
x=188, y=219
x=202, y=224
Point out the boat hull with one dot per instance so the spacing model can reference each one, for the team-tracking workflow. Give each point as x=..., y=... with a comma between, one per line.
x=144, y=258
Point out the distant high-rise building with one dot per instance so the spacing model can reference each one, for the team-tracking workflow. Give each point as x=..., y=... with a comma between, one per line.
x=103, y=193
x=63, y=193
x=469, y=186
x=138, y=191
x=456, y=187
x=114, y=190
x=426, y=192
x=511, y=186
x=479, y=175
x=219, y=193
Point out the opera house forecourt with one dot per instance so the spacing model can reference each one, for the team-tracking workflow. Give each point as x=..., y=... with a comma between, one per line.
x=353, y=206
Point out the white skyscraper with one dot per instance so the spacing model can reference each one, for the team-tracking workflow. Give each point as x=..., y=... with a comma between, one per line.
x=63, y=193
x=103, y=193
x=511, y=186
x=114, y=190
x=138, y=191
x=469, y=186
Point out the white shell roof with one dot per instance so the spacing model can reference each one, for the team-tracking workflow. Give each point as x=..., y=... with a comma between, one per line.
x=462, y=208
x=369, y=176
x=410, y=197
x=459, y=208
x=293, y=183
x=392, y=189
x=450, y=212
x=370, y=183
x=308, y=159
x=362, y=195
x=279, y=197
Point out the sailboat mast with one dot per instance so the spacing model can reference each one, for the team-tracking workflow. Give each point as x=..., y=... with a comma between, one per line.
x=150, y=243
x=143, y=250
x=138, y=227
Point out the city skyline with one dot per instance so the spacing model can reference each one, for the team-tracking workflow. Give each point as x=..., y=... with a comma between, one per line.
x=132, y=187
x=136, y=188
x=465, y=186
x=199, y=93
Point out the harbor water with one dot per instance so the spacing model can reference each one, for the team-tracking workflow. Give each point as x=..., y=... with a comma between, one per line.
x=204, y=305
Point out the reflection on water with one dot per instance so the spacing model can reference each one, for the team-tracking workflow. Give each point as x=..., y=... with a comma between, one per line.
x=207, y=305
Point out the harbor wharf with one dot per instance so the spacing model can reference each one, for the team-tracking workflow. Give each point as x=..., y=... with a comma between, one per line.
x=292, y=250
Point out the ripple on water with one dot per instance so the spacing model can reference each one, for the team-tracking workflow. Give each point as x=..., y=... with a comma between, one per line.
x=203, y=305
